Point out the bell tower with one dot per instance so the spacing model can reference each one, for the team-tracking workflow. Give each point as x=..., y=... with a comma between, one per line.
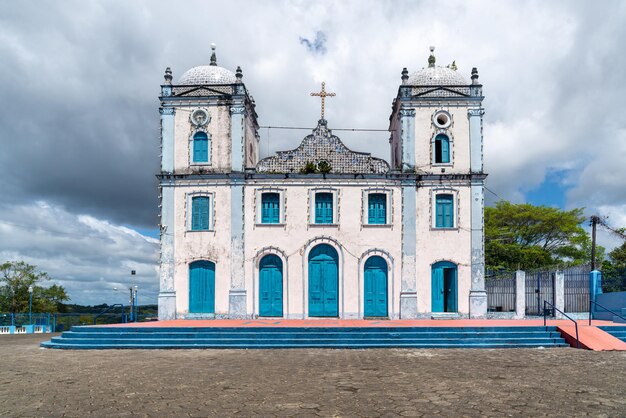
x=208, y=126
x=436, y=143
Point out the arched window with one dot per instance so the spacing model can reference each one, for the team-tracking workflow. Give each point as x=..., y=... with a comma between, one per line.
x=442, y=149
x=200, y=148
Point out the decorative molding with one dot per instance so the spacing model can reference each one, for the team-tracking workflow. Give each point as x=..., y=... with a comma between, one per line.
x=167, y=110
x=323, y=145
x=407, y=112
x=475, y=112
x=237, y=110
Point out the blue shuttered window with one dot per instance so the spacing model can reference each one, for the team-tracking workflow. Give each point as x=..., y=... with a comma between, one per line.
x=323, y=208
x=442, y=149
x=270, y=208
x=200, y=148
x=444, y=211
x=200, y=210
x=377, y=209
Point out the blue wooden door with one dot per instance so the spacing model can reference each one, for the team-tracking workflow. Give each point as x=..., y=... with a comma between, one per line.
x=202, y=287
x=323, y=281
x=444, y=287
x=271, y=286
x=375, y=287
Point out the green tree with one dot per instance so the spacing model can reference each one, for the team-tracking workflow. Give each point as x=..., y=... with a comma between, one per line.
x=527, y=236
x=15, y=279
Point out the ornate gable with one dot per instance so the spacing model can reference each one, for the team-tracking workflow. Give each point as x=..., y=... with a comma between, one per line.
x=321, y=146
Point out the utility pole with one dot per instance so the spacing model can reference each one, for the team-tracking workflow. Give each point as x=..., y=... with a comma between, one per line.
x=594, y=222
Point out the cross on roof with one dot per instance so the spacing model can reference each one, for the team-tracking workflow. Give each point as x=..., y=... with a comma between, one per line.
x=323, y=95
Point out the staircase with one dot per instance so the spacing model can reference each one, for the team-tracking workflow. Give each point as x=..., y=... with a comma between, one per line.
x=103, y=337
x=616, y=331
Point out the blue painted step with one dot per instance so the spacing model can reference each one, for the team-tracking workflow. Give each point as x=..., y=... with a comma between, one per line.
x=95, y=337
x=616, y=331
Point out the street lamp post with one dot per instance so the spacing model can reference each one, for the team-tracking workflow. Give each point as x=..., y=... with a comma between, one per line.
x=30, y=305
x=136, y=305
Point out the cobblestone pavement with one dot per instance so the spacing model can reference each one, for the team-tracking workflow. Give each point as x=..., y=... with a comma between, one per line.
x=308, y=382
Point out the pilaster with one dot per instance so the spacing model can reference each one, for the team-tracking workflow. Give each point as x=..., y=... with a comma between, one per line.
x=237, y=136
x=478, y=295
x=167, y=293
x=408, y=293
x=407, y=139
x=167, y=139
x=237, y=294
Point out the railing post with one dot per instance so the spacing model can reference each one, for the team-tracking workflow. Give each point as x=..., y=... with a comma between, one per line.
x=520, y=294
x=544, y=314
x=559, y=293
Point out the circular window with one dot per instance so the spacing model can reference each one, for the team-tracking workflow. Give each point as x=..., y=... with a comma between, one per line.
x=442, y=119
x=199, y=117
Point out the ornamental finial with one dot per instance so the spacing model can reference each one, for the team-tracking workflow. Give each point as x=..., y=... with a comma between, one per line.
x=405, y=75
x=239, y=74
x=213, y=57
x=431, y=58
x=168, y=75
x=474, y=75
x=453, y=66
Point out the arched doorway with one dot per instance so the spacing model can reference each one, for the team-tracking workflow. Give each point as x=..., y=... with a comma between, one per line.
x=444, y=287
x=202, y=287
x=271, y=286
x=375, y=287
x=323, y=281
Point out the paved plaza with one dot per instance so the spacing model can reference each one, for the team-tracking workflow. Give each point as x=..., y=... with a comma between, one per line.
x=310, y=382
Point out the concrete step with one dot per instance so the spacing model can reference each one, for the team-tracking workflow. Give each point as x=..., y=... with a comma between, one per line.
x=309, y=335
x=86, y=337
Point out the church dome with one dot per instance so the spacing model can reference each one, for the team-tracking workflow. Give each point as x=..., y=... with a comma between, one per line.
x=437, y=76
x=208, y=74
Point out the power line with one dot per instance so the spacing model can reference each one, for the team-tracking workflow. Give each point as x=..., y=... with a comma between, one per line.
x=334, y=129
x=493, y=193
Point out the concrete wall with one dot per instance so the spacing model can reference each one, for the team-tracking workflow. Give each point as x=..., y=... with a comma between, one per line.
x=615, y=301
x=458, y=132
x=218, y=130
x=296, y=236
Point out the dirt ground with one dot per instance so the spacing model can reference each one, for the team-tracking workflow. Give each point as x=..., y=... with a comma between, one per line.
x=308, y=382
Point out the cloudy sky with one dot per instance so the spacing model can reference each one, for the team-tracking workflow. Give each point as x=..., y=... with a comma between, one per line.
x=79, y=123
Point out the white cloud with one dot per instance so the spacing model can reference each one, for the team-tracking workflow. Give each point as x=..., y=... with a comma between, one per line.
x=88, y=256
x=80, y=130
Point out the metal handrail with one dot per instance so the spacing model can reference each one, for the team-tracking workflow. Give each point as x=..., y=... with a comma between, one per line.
x=606, y=309
x=107, y=310
x=545, y=310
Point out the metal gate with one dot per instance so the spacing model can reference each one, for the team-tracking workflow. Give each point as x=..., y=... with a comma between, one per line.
x=576, y=282
x=539, y=287
x=500, y=289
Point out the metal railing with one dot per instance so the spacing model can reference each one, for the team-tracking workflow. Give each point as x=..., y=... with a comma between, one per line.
x=95, y=318
x=606, y=309
x=545, y=314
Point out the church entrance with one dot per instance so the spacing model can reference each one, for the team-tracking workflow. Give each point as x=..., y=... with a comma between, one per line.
x=444, y=287
x=375, y=287
x=271, y=286
x=323, y=281
x=202, y=287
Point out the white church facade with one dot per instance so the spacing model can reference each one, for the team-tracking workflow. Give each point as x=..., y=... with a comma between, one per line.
x=321, y=231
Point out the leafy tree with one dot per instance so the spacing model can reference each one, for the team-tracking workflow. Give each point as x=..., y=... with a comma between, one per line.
x=15, y=279
x=527, y=236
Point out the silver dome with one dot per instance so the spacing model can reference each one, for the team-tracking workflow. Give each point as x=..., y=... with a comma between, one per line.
x=207, y=74
x=437, y=76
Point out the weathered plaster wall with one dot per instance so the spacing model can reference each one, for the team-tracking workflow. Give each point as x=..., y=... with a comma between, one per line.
x=218, y=129
x=425, y=132
x=435, y=245
x=290, y=241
